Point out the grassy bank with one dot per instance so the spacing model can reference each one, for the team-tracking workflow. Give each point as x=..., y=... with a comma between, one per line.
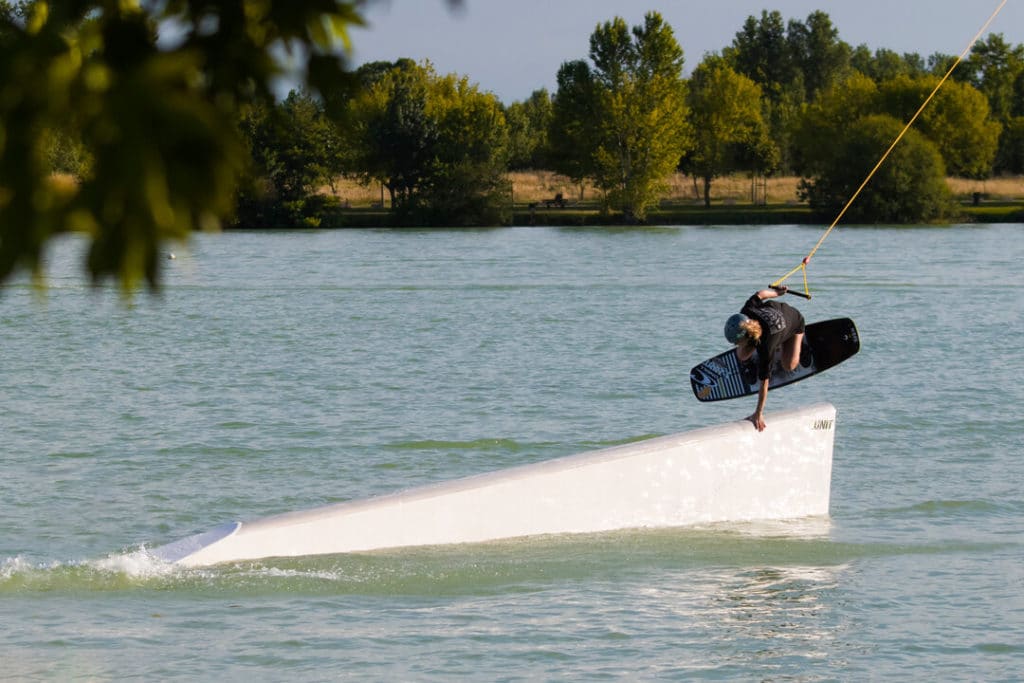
x=670, y=214
x=736, y=200
x=1000, y=200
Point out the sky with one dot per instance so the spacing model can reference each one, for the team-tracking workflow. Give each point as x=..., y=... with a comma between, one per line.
x=513, y=47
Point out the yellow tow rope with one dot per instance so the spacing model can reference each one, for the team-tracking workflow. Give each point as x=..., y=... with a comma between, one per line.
x=956, y=62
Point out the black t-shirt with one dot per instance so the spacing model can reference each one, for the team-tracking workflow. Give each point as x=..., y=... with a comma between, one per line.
x=779, y=323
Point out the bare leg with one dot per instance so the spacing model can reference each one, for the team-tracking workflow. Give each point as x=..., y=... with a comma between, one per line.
x=791, y=352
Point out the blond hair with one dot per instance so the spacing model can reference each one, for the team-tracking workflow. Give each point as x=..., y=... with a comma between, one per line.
x=751, y=330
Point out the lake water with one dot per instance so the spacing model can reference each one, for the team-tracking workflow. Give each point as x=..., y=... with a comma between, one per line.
x=282, y=371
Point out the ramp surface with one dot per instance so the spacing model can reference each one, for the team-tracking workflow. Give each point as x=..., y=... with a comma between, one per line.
x=729, y=472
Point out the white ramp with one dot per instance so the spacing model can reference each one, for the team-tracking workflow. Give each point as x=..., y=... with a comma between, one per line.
x=730, y=472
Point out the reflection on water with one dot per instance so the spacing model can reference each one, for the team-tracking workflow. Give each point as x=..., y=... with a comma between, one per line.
x=730, y=619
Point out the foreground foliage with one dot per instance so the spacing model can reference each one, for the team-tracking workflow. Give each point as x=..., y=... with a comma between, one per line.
x=157, y=121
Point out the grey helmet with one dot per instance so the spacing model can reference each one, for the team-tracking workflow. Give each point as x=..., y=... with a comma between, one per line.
x=732, y=327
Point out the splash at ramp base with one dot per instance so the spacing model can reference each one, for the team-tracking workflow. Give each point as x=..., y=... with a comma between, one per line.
x=724, y=473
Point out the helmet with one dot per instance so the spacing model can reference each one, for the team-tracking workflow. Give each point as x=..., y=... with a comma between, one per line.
x=732, y=327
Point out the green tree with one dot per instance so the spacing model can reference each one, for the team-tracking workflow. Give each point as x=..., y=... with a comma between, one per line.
x=993, y=67
x=997, y=69
x=1011, y=147
x=528, y=124
x=389, y=135
x=158, y=121
x=1017, y=103
x=909, y=187
x=437, y=143
x=467, y=184
x=370, y=73
x=885, y=64
x=762, y=52
x=295, y=150
x=627, y=115
x=725, y=116
x=829, y=118
x=939, y=63
x=957, y=121
x=792, y=64
x=574, y=127
x=817, y=52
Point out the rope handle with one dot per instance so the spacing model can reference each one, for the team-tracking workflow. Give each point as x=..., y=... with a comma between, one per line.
x=803, y=295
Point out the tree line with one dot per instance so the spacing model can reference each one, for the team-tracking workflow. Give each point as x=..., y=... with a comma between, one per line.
x=784, y=98
x=165, y=137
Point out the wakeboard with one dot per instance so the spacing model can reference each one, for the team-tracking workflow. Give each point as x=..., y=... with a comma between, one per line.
x=826, y=344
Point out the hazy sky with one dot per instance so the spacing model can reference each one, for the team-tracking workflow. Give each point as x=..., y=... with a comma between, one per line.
x=513, y=47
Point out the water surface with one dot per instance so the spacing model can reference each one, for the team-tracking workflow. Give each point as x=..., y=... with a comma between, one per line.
x=281, y=371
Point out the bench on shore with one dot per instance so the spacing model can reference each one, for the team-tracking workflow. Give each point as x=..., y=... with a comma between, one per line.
x=558, y=200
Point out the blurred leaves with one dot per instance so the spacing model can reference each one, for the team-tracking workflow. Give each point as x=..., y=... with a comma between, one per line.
x=155, y=118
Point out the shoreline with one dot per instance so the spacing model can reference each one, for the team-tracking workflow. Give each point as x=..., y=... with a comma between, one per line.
x=986, y=212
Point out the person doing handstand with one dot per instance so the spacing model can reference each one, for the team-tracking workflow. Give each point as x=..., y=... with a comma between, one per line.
x=765, y=326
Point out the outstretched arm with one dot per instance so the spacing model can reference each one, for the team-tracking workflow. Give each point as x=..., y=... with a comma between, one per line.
x=772, y=292
x=758, y=417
